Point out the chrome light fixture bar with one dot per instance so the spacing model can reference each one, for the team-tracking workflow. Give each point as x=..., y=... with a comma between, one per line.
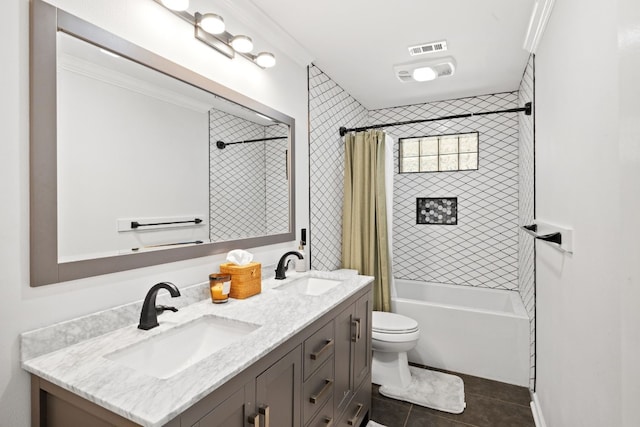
x=209, y=28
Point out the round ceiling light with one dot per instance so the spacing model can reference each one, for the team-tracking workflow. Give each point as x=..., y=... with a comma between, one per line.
x=212, y=23
x=424, y=74
x=266, y=59
x=177, y=5
x=242, y=44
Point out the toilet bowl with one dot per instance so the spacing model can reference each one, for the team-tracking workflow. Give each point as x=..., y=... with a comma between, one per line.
x=392, y=336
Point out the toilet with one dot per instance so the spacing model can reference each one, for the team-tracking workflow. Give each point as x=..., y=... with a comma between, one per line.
x=392, y=336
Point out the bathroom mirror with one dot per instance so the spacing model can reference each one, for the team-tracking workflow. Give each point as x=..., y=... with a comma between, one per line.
x=137, y=161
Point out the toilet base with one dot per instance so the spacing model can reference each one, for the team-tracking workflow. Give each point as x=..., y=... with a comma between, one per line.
x=390, y=369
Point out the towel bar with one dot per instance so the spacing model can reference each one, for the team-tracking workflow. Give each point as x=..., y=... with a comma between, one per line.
x=559, y=237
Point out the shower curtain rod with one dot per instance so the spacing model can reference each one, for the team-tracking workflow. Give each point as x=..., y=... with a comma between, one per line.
x=526, y=109
x=221, y=144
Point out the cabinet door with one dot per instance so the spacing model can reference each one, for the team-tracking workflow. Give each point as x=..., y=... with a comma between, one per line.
x=362, y=342
x=344, y=335
x=230, y=413
x=278, y=392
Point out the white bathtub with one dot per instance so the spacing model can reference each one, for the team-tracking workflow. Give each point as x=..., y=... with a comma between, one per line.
x=476, y=331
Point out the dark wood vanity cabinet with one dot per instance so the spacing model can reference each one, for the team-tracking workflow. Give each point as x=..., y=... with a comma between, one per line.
x=352, y=395
x=320, y=377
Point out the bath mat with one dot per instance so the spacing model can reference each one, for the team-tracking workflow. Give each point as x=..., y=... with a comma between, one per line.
x=431, y=389
x=374, y=424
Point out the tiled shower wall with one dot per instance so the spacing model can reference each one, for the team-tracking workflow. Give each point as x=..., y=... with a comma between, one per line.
x=486, y=249
x=329, y=108
x=482, y=249
x=238, y=207
x=526, y=210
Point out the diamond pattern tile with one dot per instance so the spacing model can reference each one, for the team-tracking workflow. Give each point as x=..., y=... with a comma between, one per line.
x=238, y=208
x=482, y=250
x=277, y=182
x=329, y=108
x=526, y=208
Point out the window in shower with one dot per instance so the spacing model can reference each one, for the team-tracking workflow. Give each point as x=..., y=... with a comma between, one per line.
x=441, y=153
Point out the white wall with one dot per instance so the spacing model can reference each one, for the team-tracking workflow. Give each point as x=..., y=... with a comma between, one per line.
x=588, y=178
x=23, y=308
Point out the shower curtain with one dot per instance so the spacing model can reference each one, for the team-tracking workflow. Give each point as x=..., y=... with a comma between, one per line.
x=365, y=244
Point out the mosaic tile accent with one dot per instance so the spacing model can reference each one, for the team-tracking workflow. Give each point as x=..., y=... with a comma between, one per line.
x=329, y=108
x=526, y=209
x=442, y=211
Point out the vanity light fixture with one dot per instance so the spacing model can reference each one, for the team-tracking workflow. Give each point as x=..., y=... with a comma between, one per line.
x=266, y=59
x=211, y=23
x=241, y=44
x=209, y=28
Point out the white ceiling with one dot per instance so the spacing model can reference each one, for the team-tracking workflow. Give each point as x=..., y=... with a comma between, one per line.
x=357, y=42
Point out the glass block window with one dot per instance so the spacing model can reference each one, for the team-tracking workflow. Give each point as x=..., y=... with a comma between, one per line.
x=442, y=153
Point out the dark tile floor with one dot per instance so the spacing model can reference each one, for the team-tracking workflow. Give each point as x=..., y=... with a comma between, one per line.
x=489, y=404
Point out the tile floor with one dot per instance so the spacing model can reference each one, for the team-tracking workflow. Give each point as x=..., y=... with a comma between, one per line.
x=489, y=404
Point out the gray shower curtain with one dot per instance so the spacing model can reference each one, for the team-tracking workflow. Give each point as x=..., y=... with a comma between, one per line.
x=365, y=244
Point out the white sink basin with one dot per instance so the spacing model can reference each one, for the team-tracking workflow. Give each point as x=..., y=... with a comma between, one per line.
x=310, y=286
x=168, y=353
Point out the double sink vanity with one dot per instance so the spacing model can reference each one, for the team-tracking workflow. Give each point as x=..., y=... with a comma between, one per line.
x=297, y=354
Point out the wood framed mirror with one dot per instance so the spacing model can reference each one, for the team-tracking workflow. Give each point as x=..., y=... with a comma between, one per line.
x=144, y=162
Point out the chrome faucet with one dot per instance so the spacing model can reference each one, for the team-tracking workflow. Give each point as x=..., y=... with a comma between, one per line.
x=149, y=314
x=283, y=265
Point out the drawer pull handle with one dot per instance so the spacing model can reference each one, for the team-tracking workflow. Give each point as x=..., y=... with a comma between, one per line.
x=353, y=420
x=254, y=420
x=264, y=410
x=317, y=354
x=356, y=323
x=315, y=398
x=328, y=422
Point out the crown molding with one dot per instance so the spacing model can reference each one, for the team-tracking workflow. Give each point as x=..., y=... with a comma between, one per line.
x=255, y=18
x=537, y=24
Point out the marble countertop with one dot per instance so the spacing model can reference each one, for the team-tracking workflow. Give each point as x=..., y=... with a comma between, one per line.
x=81, y=367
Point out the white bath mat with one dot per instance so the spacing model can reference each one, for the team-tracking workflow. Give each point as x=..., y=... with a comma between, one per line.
x=374, y=424
x=431, y=389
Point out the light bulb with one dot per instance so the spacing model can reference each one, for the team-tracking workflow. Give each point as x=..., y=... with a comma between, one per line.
x=242, y=44
x=177, y=5
x=424, y=74
x=266, y=59
x=212, y=23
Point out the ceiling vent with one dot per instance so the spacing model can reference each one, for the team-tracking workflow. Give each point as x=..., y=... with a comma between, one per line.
x=442, y=67
x=432, y=47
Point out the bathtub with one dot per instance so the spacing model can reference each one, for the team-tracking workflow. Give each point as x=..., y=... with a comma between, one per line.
x=476, y=331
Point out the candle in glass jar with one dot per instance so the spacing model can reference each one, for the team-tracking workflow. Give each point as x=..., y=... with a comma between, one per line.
x=219, y=285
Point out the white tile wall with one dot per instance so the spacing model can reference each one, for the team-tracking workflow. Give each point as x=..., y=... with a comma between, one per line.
x=329, y=108
x=239, y=176
x=482, y=250
x=526, y=210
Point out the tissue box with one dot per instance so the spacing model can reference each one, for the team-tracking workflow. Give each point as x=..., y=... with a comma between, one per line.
x=246, y=280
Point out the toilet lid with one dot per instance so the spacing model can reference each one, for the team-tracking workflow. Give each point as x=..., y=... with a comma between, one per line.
x=392, y=323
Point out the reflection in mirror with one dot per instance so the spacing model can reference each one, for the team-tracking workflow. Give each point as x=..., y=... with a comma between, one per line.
x=248, y=177
x=125, y=166
x=132, y=149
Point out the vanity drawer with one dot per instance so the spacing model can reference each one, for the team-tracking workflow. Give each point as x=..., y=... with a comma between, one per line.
x=318, y=348
x=358, y=407
x=324, y=418
x=317, y=390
